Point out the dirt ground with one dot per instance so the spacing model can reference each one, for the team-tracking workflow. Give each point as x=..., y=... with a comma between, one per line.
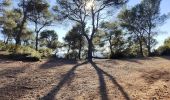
x=131, y=79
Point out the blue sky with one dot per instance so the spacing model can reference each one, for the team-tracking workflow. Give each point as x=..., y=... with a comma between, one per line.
x=63, y=28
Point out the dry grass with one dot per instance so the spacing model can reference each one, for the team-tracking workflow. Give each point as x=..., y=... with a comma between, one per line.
x=134, y=79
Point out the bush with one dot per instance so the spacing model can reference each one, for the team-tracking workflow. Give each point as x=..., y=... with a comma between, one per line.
x=10, y=47
x=72, y=55
x=164, y=50
x=22, y=52
x=2, y=46
x=45, y=52
x=25, y=53
x=7, y=47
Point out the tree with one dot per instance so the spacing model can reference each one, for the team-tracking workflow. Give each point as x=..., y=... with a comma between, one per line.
x=85, y=11
x=152, y=18
x=23, y=7
x=133, y=22
x=3, y=5
x=75, y=41
x=114, y=37
x=49, y=38
x=27, y=37
x=39, y=14
x=142, y=20
x=10, y=21
x=165, y=48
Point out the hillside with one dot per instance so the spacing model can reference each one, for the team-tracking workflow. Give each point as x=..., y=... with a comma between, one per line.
x=134, y=79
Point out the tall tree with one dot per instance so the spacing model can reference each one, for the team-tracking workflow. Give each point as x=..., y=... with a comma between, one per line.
x=152, y=18
x=115, y=37
x=23, y=7
x=3, y=5
x=49, y=38
x=38, y=11
x=142, y=20
x=132, y=21
x=10, y=21
x=85, y=11
x=75, y=41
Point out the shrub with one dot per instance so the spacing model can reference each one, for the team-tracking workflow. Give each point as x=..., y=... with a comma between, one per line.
x=164, y=50
x=25, y=53
x=7, y=47
x=2, y=46
x=72, y=55
x=21, y=52
x=45, y=52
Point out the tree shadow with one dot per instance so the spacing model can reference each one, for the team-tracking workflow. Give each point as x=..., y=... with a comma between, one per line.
x=13, y=90
x=103, y=91
x=51, y=95
x=166, y=57
x=17, y=57
x=13, y=72
x=155, y=75
x=51, y=63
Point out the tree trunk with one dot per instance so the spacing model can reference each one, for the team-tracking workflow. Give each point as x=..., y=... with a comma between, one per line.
x=18, y=37
x=111, y=51
x=90, y=49
x=141, y=48
x=68, y=51
x=80, y=48
x=149, y=43
x=36, y=41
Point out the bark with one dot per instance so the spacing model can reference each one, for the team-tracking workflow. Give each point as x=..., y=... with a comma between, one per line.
x=141, y=48
x=111, y=51
x=90, y=49
x=149, y=42
x=68, y=51
x=18, y=36
x=80, y=48
x=36, y=41
x=36, y=38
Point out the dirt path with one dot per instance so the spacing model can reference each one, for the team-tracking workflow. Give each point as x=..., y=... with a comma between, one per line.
x=135, y=79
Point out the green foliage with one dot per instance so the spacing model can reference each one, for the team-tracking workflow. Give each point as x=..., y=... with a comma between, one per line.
x=20, y=52
x=49, y=38
x=45, y=52
x=72, y=55
x=114, y=36
x=28, y=52
x=3, y=4
x=2, y=46
x=74, y=41
x=39, y=14
x=7, y=47
x=165, y=49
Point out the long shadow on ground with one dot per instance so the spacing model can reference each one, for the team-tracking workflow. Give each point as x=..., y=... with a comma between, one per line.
x=14, y=90
x=17, y=57
x=66, y=78
x=103, y=91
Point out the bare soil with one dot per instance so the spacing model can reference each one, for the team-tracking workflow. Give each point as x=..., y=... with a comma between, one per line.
x=128, y=79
